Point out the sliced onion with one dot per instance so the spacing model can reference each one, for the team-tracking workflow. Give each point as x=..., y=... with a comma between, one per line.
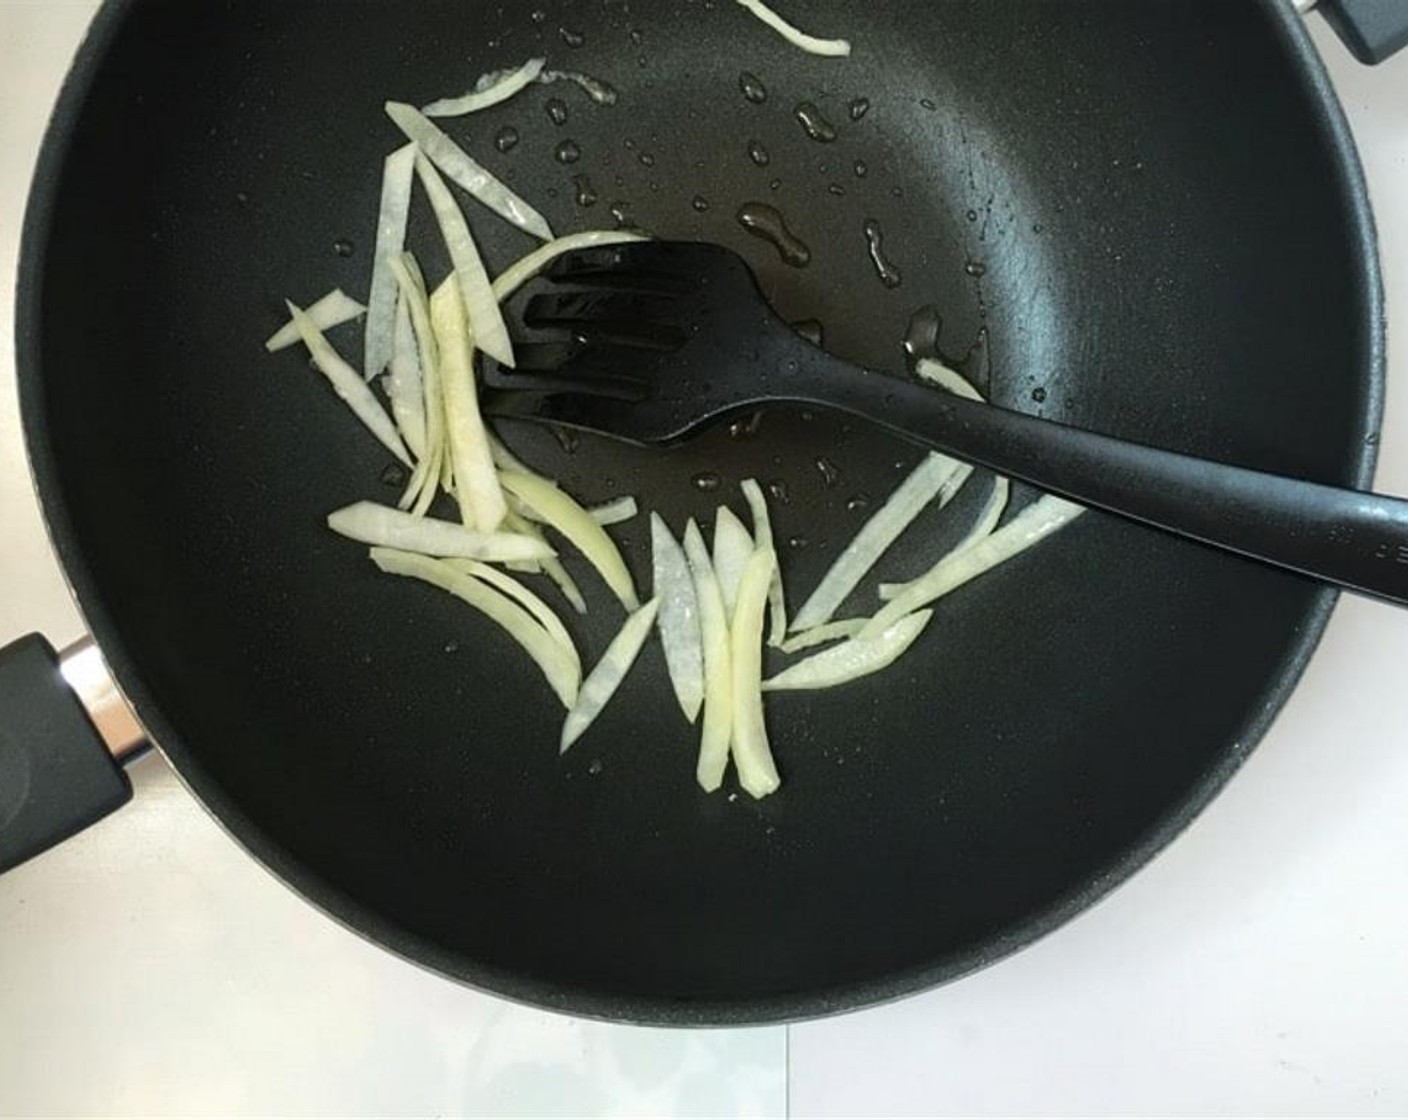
x=425, y=480
x=464, y=170
x=603, y=681
x=481, y=499
x=937, y=477
x=595, y=88
x=397, y=177
x=752, y=756
x=557, y=664
x=347, y=383
x=404, y=386
x=762, y=533
x=381, y=525
x=334, y=309
x=521, y=271
x=853, y=659
x=486, y=320
x=555, y=570
x=526, y=598
x=550, y=567
x=491, y=89
x=1034, y=524
x=936, y=373
x=615, y=513
x=826, y=632
x=679, y=618
x=831, y=48
x=717, y=729
x=732, y=547
x=566, y=515
x=988, y=519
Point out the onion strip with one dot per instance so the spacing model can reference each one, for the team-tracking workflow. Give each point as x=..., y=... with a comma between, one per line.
x=374, y=524
x=615, y=512
x=486, y=320
x=334, y=309
x=425, y=480
x=752, y=756
x=679, y=618
x=762, y=533
x=558, y=666
x=826, y=632
x=491, y=89
x=466, y=171
x=347, y=383
x=853, y=659
x=404, y=385
x=524, y=269
x=397, y=178
x=606, y=677
x=937, y=477
x=566, y=515
x=526, y=598
x=481, y=499
x=830, y=48
x=732, y=547
x=1034, y=524
x=717, y=729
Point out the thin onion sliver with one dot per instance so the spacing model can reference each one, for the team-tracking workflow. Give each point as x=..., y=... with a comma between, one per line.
x=826, y=632
x=717, y=728
x=853, y=659
x=762, y=533
x=334, y=309
x=829, y=48
x=397, y=178
x=404, y=384
x=606, y=677
x=387, y=527
x=757, y=773
x=490, y=90
x=679, y=618
x=524, y=269
x=615, y=513
x=733, y=545
x=526, y=598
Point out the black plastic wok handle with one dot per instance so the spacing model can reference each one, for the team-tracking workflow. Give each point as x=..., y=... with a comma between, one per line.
x=63, y=734
x=1371, y=29
x=1351, y=538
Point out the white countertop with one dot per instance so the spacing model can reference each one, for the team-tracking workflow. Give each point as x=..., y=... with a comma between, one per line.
x=1256, y=967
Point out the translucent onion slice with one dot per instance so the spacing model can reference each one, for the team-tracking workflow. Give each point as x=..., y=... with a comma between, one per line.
x=347, y=383
x=600, y=92
x=404, y=386
x=717, y=729
x=526, y=598
x=937, y=477
x=566, y=515
x=830, y=48
x=615, y=513
x=826, y=632
x=936, y=373
x=425, y=480
x=481, y=499
x=1034, y=524
x=397, y=177
x=486, y=320
x=603, y=681
x=381, y=525
x=334, y=309
x=491, y=89
x=732, y=547
x=556, y=571
x=551, y=567
x=988, y=518
x=853, y=659
x=464, y=170
x=521, y=271
x=762, y=533
x=558, y=666
x=752, y=756
x=679, y=618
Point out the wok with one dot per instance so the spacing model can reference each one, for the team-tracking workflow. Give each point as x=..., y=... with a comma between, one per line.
x=1144, y=219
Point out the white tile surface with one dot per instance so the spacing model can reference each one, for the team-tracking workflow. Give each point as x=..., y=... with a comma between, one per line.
x=150, y=968
x=1257, y=967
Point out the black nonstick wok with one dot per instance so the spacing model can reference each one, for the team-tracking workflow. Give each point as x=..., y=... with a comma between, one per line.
x=1146, y=219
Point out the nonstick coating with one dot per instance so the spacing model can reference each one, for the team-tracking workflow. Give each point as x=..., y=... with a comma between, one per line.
x=1152, y=214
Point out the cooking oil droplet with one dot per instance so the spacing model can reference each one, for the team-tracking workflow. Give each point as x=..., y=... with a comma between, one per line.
x=557, y=111
x=747, y=427
x=758, y=154
x=858, y=108
x=452, y=647
x=242, y=198
x=539, y=16
x=762, y=220
x=343, y=248
x=975, y=269
x=1036, y=227
x=507, y=139
x=810, y=329
x=586, y=193
x=807, y=414
x=977, y=363
x=829, y=473
x=566, y=438
x=646, y=159
x=636, y=36
x=572, y=38
x=621, y=213
x=594, y=767
x=778, y=492
x=972, y=215
x=858, y=502
x=798, y=543
x=921, y=338
x=1039, y=394
x=707, y=481
x=814, y=123
x=775, y=184
x=928, y=104
x=700, y=203
x=860, y=169
x=896, y=192
x=752, y=87
x=889, y=275
x=836, y=189
x=567, y=152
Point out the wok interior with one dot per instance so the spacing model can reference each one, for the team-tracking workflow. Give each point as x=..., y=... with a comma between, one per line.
x=1137, y=205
